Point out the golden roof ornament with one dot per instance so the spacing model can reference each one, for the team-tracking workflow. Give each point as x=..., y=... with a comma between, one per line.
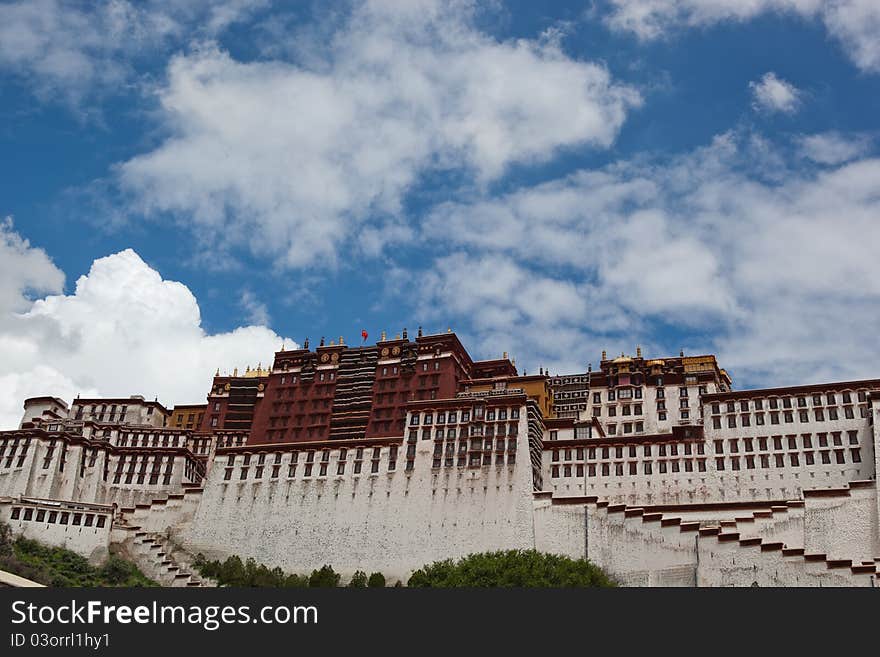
x=383, y=336
x=341, y=341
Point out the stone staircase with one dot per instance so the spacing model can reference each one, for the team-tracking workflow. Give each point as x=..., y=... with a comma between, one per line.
x=161, y=561
x=738, y=545
x=142, y=533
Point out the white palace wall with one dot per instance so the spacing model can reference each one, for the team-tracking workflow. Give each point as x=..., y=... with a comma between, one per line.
x=843, y=523
x=393, y=522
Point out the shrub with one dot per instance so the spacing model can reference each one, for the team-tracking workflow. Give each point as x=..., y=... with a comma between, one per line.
x=5, y=540
x=376, y=580
x=520, y=568
x=324, y=577
x=358, y=580
x=54, y=566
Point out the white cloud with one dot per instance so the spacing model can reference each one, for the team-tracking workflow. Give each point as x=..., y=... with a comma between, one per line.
x=772, y=94
x=778, y=275
x=124, y=330
x=854, y=23
x=833, y=147
x=257, y=311
x=24, y=270
x=70, y=49
x=302, y=161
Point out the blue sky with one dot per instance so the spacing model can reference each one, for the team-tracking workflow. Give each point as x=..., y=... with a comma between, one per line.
x=549, y=181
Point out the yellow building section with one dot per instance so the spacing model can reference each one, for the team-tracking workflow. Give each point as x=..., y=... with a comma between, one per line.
x=187, y=417
x=535, y=387
x=699, y=363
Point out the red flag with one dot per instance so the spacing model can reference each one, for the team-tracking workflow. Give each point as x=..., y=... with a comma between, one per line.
x=364, y=334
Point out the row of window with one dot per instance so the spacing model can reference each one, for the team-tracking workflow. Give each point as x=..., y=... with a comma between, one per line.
x=479, y=413
x=150, y=440
x=790, y=442
x=59, y=517
x=474, y=453
x=829, y=399
x=9, y=447
x=144, y=469
x=262, y=466
x=819, y=415
x=475, y=430
x=618, y=451
x=734, y=463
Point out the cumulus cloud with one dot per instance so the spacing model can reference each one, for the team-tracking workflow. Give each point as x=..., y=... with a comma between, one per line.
x=853, y=23
x=71, y=49
x=124, y=330
x=778, y=275
x=300, y=161
x=772, y=94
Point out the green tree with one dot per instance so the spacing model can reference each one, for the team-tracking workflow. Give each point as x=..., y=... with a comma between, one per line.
x=358, y=580
x=376, y=580
x=295, y=581
x=5, y=540
x=232, y=572
x=324, y=577
x=510, y=568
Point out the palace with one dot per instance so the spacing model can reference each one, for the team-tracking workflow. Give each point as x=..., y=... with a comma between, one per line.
x=389, y=456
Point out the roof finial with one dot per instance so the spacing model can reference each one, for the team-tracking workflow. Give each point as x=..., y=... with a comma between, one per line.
x=235, y=372
x=306, y=344
x=322, y=341
x=681, y=353
x=449, y=329
x=383, y=336
x=604, y=355
x=218, y=372
x=341, y=341
x=589, y=367
x=404, y=334
x=420, y=331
